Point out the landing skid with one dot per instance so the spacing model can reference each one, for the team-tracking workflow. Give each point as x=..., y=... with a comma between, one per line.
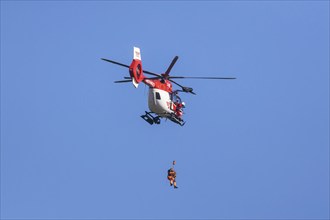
x=176, y=119
x=148, y=117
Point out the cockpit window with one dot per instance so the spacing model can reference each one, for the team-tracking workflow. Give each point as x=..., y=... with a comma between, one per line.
x=157, y=95
x=175, y=97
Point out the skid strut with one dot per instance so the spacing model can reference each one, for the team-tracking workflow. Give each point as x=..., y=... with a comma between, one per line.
x=148, y=117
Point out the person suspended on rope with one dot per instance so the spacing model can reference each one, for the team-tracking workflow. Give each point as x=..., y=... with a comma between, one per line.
x=171, y=175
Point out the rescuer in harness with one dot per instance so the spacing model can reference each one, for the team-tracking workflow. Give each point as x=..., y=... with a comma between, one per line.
x=178, y=106
x=171, y=175
x=179, y=109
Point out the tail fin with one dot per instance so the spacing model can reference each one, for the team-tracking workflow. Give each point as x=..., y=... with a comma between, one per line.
x=137, y=54
x=135, y=69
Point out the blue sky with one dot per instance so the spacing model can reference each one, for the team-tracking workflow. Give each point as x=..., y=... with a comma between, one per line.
x=73, y=144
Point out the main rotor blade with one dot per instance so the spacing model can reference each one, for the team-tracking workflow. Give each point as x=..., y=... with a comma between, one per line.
x=114, y=62
x=153, y=74
x=198, y=77
x=184, y=89
x=123, y=81
x=171, y=65
x=127, y=66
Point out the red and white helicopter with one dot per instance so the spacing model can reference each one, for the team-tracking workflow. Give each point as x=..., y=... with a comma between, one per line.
x=163, y=101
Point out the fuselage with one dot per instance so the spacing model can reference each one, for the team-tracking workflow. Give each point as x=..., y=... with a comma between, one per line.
x=161, y=99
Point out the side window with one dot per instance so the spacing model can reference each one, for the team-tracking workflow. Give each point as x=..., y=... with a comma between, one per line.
x=157, y=95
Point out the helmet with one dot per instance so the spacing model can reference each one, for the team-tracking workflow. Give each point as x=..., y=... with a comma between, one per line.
x=183, y=104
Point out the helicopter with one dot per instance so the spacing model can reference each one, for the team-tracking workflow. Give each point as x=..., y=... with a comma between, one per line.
x=163, y=101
